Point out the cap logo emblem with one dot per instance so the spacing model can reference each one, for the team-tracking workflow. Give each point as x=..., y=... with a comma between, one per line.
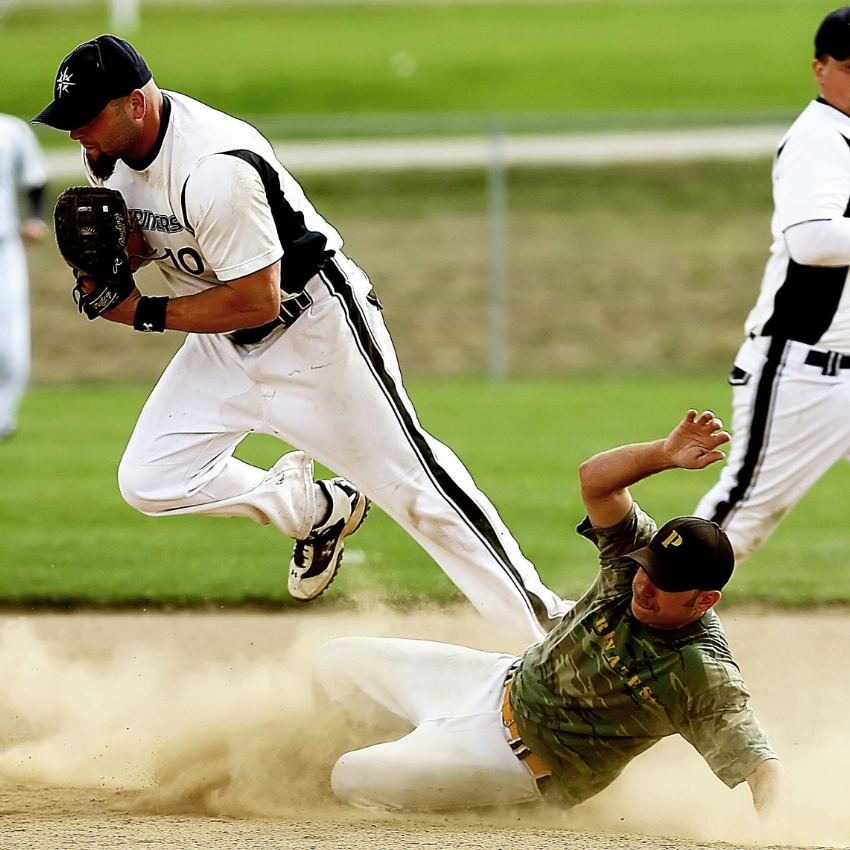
x=673, y=539
x=63, y=82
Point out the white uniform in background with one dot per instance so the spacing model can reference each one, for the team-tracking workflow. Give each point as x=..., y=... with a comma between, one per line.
x=791, y=381
x=215, y=205
x=21, y=168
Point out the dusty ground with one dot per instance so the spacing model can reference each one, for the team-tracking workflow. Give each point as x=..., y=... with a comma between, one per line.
x=195, y=730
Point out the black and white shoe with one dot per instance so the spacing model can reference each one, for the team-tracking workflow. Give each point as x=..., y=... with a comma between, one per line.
x=316, y=558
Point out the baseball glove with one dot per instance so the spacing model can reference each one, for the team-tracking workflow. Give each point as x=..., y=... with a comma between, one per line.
x=93, y=229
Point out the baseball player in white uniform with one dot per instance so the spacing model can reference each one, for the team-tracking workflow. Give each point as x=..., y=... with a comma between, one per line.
x=21, y=170
x=285, y=338
x=791, y=380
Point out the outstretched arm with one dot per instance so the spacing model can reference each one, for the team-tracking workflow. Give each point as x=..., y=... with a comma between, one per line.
x=606, y=477
x=771, y=794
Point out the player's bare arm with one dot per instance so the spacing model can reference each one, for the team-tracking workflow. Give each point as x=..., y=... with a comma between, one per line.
x=771, y=793
x=246, y=302
x=606, y=477
x=33, y=229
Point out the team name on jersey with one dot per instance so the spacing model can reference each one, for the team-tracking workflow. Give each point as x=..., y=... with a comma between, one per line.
x=149, y=220
x=612, y=658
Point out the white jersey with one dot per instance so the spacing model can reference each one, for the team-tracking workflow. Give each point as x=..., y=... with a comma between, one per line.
x=21, y=167
x=216, y=205
x=811, y=182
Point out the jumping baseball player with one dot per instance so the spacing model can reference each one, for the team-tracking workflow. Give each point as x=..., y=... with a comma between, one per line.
x=791, y=378
x=285, y=338
x=21, y=170
x=641, y=656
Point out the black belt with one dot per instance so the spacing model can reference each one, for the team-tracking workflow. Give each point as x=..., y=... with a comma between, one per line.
x=291, y=307
x=829, y=361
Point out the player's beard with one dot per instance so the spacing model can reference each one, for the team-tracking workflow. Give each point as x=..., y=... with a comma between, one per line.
x=101, y=165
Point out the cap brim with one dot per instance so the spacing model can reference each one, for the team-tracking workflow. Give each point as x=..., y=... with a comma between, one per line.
x=654, y=569
x=57, y=115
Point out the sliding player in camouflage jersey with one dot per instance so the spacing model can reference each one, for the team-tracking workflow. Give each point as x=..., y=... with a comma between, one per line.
x=605, y=685
x=640, y=656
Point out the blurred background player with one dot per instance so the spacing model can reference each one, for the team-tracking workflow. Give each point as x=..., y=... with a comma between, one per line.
x=21, y=172
x=791, y=379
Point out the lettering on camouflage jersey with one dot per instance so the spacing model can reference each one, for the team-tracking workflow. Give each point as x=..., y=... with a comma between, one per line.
x=149, y=220
x=609, y=653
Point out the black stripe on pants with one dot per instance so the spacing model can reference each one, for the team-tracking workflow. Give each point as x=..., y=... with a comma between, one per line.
x=466, y=507
x=759, y=426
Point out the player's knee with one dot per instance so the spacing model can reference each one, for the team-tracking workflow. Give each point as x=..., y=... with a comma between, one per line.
x=344, y=780
x=343, y=678
x=328, y=657
x=342, y=783
x=143, y=488
x=351, y=782
x=333, y=666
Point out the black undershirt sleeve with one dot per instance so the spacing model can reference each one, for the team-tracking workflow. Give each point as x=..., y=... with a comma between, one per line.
x=38, y=201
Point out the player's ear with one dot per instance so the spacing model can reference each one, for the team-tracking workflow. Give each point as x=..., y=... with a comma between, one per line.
x=707, y=599
x=137, y=103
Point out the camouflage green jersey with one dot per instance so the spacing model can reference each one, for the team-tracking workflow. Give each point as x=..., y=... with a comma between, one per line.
x=603, y=687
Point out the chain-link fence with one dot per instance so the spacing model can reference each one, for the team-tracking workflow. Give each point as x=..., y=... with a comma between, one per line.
x=604, y=269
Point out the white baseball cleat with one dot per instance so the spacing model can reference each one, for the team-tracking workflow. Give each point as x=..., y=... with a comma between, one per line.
x=316, y=558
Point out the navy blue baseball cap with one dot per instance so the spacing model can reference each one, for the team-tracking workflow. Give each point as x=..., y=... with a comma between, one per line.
x=833, y=35
x=89, y=77
x=688, y=553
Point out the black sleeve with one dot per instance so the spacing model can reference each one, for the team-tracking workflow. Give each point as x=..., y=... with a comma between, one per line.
x=38, y=201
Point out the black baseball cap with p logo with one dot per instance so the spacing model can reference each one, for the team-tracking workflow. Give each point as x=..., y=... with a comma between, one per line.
x=833, y=35
x=89, y=77
x=687, y=553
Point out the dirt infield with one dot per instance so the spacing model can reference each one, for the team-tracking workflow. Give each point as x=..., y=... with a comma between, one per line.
x=195, y=730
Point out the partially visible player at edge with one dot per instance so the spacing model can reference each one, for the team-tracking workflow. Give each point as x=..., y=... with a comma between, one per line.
x=642, y=655
x=791, y=377
x=286, y=338
x=21, y=172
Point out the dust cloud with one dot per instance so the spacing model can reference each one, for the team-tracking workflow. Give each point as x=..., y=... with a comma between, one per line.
x=206, y=713
x=211, y=713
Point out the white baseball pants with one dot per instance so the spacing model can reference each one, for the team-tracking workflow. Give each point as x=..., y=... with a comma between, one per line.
x=330, y=385
x=790, y=424
x=14, y=331
x=450, y=697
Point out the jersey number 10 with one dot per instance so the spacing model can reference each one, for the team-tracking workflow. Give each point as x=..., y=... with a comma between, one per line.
x=187, y=260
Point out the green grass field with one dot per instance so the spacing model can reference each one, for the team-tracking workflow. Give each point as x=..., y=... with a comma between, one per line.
x=608, y=56
x=68, y=538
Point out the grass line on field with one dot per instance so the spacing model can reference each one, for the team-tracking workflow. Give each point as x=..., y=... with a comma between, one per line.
x=69, y=540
